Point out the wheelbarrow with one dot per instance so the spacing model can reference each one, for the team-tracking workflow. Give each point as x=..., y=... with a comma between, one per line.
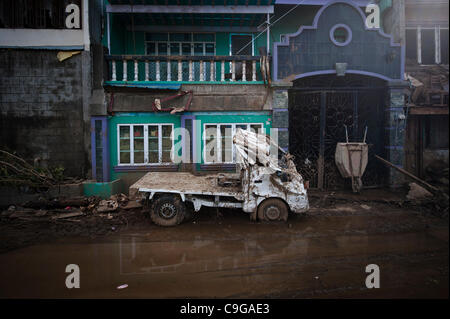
x=351, y=160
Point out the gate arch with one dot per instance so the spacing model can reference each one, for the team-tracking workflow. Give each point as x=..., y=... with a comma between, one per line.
x=319, y=107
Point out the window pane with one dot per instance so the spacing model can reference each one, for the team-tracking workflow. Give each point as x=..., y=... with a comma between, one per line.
x=153, y=138
x=153, y=157
x=151, y=48
x=239, y=44
x=186, y=48
x=198, y=48
x=152, y=131
x=226, y=143
x=124, y=132
x=162, y=48
x=444, y=46
x=428, y=47
x=166, y=157
x=411, y=44
x=124, y=144
x=436, y=132
x=180, y=37
x=174, y=49
x=153, y=147
x=166, y=138
x=203, y=37
x=166, y=130
x=210, y=143
x=138, y=143
x=340, y=35
x=156, y=37
x=138, y=157
x=209, y=49
x=124, y=157
x=138, y=131
x=256, y=128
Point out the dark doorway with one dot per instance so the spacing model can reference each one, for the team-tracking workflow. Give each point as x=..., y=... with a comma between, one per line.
x=319, y=109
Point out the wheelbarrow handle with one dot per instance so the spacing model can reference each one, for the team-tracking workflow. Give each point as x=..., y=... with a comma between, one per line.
x=365, y=134
x=346, y=133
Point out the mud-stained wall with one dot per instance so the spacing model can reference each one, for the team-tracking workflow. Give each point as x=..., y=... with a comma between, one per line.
x=223, y=97
x=41, y=108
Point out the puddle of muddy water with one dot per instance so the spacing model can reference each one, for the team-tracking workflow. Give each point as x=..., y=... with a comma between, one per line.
x=324, y=257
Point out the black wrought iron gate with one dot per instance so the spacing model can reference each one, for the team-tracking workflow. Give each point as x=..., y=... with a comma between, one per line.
x=317, y=120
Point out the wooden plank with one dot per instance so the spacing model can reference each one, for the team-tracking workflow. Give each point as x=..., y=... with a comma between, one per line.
x=68, y=215
x=428, y=110
x=431, y=188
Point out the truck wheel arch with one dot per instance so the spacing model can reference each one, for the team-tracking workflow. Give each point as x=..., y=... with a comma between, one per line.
x=262, y=199
x=278, y=205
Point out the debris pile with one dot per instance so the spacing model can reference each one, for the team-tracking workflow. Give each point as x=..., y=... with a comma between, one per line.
x=437, y=172
x=429, y=86
x=67, y=209
x=16, y=171
x=435, y=204
x=417, y=192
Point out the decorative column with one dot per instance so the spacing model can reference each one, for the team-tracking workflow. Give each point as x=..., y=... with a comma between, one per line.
x=280, y=112
x=395, y=131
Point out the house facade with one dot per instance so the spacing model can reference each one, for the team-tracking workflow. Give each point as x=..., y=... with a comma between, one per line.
x=184, y=75
x=162, y=85
x=426, y=28
x=47, y=52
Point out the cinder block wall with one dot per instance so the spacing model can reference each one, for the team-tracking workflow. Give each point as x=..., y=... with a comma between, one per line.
x=41, y=108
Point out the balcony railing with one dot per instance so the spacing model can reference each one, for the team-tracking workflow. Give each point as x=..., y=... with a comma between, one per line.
x=136, y=68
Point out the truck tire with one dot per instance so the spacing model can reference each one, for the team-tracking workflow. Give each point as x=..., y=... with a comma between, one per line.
x=168, y=210
x=273, y=209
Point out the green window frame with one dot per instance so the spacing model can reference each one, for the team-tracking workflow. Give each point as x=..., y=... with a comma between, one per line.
x=178, y=43
x=145, y=144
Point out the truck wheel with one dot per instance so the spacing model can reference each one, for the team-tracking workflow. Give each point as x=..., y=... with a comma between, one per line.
x=273, y=209
x=168, y=210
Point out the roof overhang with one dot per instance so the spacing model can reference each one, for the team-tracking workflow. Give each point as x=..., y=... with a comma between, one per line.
x=199, y=9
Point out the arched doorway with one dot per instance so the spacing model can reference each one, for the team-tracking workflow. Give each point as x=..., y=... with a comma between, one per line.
x=319, y=109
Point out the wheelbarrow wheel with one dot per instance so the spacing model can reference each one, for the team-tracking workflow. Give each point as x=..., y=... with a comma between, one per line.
x=357, y=184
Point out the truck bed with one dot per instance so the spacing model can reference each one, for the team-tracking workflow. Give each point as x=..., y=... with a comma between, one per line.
x=185, y=183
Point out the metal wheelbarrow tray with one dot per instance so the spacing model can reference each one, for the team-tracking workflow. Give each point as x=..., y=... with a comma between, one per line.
x=351, y=160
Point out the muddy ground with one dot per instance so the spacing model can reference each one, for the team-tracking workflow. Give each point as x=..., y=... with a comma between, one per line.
x=321, y=254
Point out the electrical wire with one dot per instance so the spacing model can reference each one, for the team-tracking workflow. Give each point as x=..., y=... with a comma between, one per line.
x=269, y=25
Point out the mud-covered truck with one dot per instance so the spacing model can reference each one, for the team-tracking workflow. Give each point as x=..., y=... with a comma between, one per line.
x=267, y=187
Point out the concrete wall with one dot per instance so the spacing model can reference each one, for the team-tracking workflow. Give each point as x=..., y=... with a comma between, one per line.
x=226, y=97
x=41, y=108
x=41, y=37
x=394, y=20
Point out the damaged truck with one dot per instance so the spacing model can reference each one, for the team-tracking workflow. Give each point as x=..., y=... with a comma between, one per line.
x=267, y=186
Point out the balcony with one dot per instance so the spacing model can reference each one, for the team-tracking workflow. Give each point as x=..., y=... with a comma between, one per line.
x=238, y=69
